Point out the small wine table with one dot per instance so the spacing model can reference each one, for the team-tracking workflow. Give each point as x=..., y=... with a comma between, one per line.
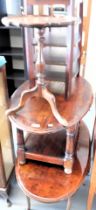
x=35, y=109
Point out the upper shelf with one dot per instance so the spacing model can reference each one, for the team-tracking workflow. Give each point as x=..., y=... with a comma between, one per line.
x=36, y=115
x=39, y=21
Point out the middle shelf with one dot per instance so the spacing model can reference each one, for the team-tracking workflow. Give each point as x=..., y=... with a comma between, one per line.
x=36, y=115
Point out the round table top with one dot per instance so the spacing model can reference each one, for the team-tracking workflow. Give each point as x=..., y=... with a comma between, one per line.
x=37, y=110
x=38, y=21
x=49, y=183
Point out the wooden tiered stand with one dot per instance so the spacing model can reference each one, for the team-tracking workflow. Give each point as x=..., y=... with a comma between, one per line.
x=52, y=122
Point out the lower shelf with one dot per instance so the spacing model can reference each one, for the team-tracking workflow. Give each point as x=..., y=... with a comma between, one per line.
x=47, y=182
x=50, y=148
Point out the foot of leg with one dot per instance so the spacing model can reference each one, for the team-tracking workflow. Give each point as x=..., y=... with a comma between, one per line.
x=68, y=163
x=28, y=203
x=68, y=204
x=9, y=203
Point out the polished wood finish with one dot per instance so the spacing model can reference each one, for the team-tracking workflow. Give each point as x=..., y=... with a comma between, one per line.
x=36, y=115
x=70, y=8
x=71, y=141
x=48, y=183
x=50, y=148
x=21, y=149
x=41, y=22
x=57, y=148
x=32, y=112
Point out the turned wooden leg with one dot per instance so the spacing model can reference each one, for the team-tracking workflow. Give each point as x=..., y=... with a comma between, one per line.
x=92, y=188
x=28, y=203
x=69, y=150
x=21, y=147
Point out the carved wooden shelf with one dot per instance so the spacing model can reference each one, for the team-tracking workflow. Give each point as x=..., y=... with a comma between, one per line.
x=36, y=115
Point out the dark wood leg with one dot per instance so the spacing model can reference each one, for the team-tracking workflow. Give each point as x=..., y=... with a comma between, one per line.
x=69, y=150
x=21, y=147
x=28, y=203
x=67, y=88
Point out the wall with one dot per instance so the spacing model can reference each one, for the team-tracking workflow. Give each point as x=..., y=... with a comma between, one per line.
x=90, y=68
x=13, y=7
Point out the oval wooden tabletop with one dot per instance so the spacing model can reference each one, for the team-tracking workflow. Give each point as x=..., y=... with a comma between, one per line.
x=38, y=21
x=49, y=183
x=37, y=110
